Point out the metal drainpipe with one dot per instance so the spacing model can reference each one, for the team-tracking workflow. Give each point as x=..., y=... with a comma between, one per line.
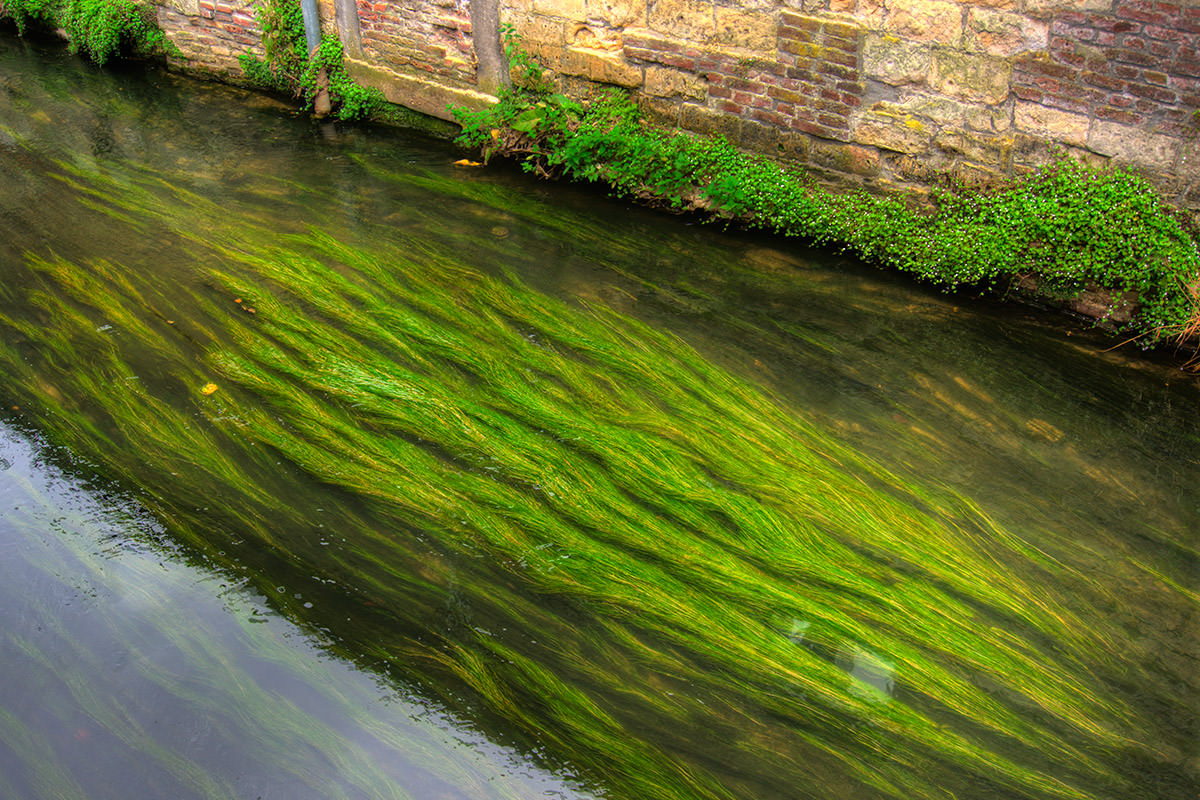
x=312, y=37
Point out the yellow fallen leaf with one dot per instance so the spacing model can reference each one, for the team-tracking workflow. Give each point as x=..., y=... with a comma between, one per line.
x=462, y=162
x=208, y=389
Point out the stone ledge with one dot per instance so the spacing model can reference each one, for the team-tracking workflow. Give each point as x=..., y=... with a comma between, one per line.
x=415, y=92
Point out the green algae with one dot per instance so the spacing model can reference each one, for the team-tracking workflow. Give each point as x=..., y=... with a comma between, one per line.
x=664, y=530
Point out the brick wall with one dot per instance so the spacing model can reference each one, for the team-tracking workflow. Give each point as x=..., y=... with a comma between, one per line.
x=899, y=92
x=211, y=34
x=432, y=37
x=885, y=93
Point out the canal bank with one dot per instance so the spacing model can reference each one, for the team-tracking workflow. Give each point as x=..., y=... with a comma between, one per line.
x=1092, y=241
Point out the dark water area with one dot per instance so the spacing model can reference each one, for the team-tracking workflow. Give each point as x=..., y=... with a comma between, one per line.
x=331, y=469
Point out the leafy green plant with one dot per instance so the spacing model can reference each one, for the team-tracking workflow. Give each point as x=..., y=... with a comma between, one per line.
x=289, y=68
x=100, y=29
x=39, y=13
x=1068, y=228
x=282, y=26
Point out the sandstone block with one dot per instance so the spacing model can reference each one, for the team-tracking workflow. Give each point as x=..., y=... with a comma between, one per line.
x=594, y=38
x=189, y=7
x=538, y=30
x=617, y=13
x=1189, y=162
x=971, y=77
x=889, y=130
x=600, y=66
x=659, y=111
x=570, y=9
x=1050, y=123
x=794, y=145
x=665, y=82
x=868, y=12
x=975, y=176
x=849, y=158
x=1001, y=33
x=947, y=111
x=688, y=19
x=750, y=30
x=984, y=149
x=704, y=120
x=925, y=20
x=1045, y=7
x=758, y=137
x=1132, y=145
x=895, y=61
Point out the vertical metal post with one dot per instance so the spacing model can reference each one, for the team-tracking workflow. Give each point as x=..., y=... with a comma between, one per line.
x=312, y=24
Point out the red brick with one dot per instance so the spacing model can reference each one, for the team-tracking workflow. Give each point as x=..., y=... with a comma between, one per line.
x=793, y=34
x=844, y=59
x=1040, y=67
x=837, y=71
x=787, y=95
x=1153, y=93
x=845, y=45
x=1187, y=68
x=1165, y=34
x=1117, y=115
x=1131, y=56
x=679, y=62
x=744, y=85
x=769, y=117
x=1104, y=81
x=792, y=19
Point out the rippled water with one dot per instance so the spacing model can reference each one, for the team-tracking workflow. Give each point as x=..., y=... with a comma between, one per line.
x=337, y=470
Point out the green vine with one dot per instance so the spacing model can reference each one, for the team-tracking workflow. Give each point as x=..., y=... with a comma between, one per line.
x=288, y=67
x=100, y=29
x=1069, y=227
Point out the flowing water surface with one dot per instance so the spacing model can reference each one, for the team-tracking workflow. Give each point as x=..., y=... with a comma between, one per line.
x=330, y=469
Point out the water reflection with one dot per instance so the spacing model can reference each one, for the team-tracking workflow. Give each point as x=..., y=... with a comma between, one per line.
x=130, y=673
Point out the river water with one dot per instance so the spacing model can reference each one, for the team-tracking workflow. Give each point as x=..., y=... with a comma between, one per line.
x=331, y=469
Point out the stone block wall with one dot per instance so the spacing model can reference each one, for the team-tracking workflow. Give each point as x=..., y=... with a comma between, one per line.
x=431, y=37
x=899, y=92
x=882, y=93
x=211, y=34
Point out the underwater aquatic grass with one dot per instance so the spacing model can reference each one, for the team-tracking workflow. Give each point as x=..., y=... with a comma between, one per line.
x=710, y=536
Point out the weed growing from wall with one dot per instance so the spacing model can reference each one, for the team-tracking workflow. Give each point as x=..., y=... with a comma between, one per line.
x=100, y=29
x=288, y=67
x=1068, y=227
